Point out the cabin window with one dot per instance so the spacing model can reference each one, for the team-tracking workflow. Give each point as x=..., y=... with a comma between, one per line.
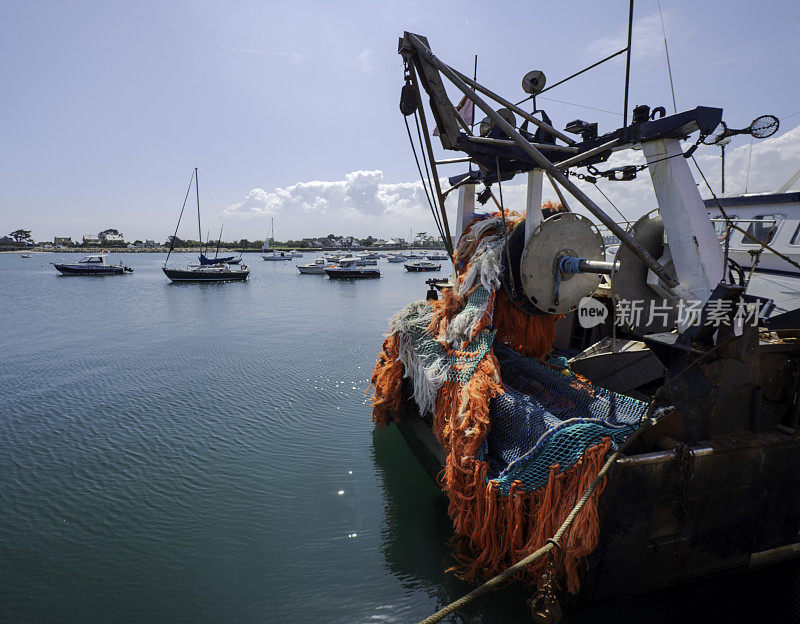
x=721, y=227
x=795, y=237
x=762, y=229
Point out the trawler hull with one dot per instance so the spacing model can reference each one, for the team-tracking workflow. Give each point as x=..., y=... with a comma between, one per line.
x=667, y=517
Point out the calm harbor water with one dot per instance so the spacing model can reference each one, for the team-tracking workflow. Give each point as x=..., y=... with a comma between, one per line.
x=204, y=453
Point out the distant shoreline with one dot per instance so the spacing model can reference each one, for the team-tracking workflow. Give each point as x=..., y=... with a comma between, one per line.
x=222, y=251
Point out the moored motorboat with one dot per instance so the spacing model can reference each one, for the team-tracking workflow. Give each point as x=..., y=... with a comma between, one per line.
x=421, y=266
x=349, y=269
x=24, y=255
x=92, y=265
x=396, y=258
x=275, y=255
x=313, y=268
x=437, y=255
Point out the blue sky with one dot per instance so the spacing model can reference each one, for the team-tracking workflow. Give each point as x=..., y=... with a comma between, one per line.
x=290, y=109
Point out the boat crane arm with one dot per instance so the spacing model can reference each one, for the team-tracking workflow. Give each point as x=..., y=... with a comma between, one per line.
x=518, y=151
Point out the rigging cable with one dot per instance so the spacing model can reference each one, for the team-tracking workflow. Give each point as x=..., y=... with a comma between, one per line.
x=436, y=216
x=602, y=110
x=578, y=73
x=174, y=236
x=597, y=186
x=666, y=51
x=422, y=177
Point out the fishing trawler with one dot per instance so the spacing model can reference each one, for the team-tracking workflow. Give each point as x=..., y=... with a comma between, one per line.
x=601, y=427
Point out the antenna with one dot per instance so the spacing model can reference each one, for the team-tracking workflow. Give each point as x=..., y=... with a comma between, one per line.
x=628, y=67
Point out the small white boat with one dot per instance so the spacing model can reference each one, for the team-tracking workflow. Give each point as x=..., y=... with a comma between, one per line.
x=314, y=268
x=25, y=255
x=270, y=254
x=396, y=258
x=297, y=254
x=275, y=255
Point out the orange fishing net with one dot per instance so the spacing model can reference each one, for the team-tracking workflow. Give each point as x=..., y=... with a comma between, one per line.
x=496, y=530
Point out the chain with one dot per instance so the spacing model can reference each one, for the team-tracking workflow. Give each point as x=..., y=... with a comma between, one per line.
x=628, y=172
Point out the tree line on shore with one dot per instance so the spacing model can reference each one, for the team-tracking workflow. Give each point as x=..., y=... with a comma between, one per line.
x=113, y=238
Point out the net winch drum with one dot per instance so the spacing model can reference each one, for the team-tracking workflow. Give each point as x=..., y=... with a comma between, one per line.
x=565, y=234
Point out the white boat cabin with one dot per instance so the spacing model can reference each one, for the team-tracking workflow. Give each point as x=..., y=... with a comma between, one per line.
x=772, y=218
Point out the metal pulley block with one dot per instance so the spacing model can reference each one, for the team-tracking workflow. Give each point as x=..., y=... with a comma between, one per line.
x=545, y=285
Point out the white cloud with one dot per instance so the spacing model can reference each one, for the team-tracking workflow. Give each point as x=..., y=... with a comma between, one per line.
x=363, y=203
x=367, y=60
x=360, y=204
x=295, y=58
x=647, y=41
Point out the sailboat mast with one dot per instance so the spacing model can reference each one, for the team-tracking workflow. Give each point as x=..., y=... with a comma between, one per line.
x=197, y=193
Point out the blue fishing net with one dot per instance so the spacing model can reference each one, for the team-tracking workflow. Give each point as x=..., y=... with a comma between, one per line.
x=543, y=418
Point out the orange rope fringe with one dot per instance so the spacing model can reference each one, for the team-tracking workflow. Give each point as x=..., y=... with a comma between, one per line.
x=496, y=530
x=527, y=334
x=387, y=378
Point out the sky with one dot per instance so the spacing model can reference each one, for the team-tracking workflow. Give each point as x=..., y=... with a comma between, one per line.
x=290, y=110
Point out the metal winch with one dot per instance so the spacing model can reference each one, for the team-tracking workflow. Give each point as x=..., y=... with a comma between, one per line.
x=561, y=263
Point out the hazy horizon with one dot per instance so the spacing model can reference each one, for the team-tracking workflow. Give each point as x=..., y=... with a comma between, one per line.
x=292, y=113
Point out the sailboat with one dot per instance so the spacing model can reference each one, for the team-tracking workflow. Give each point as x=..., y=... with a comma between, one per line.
x=206, y=270
x=273, y=254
